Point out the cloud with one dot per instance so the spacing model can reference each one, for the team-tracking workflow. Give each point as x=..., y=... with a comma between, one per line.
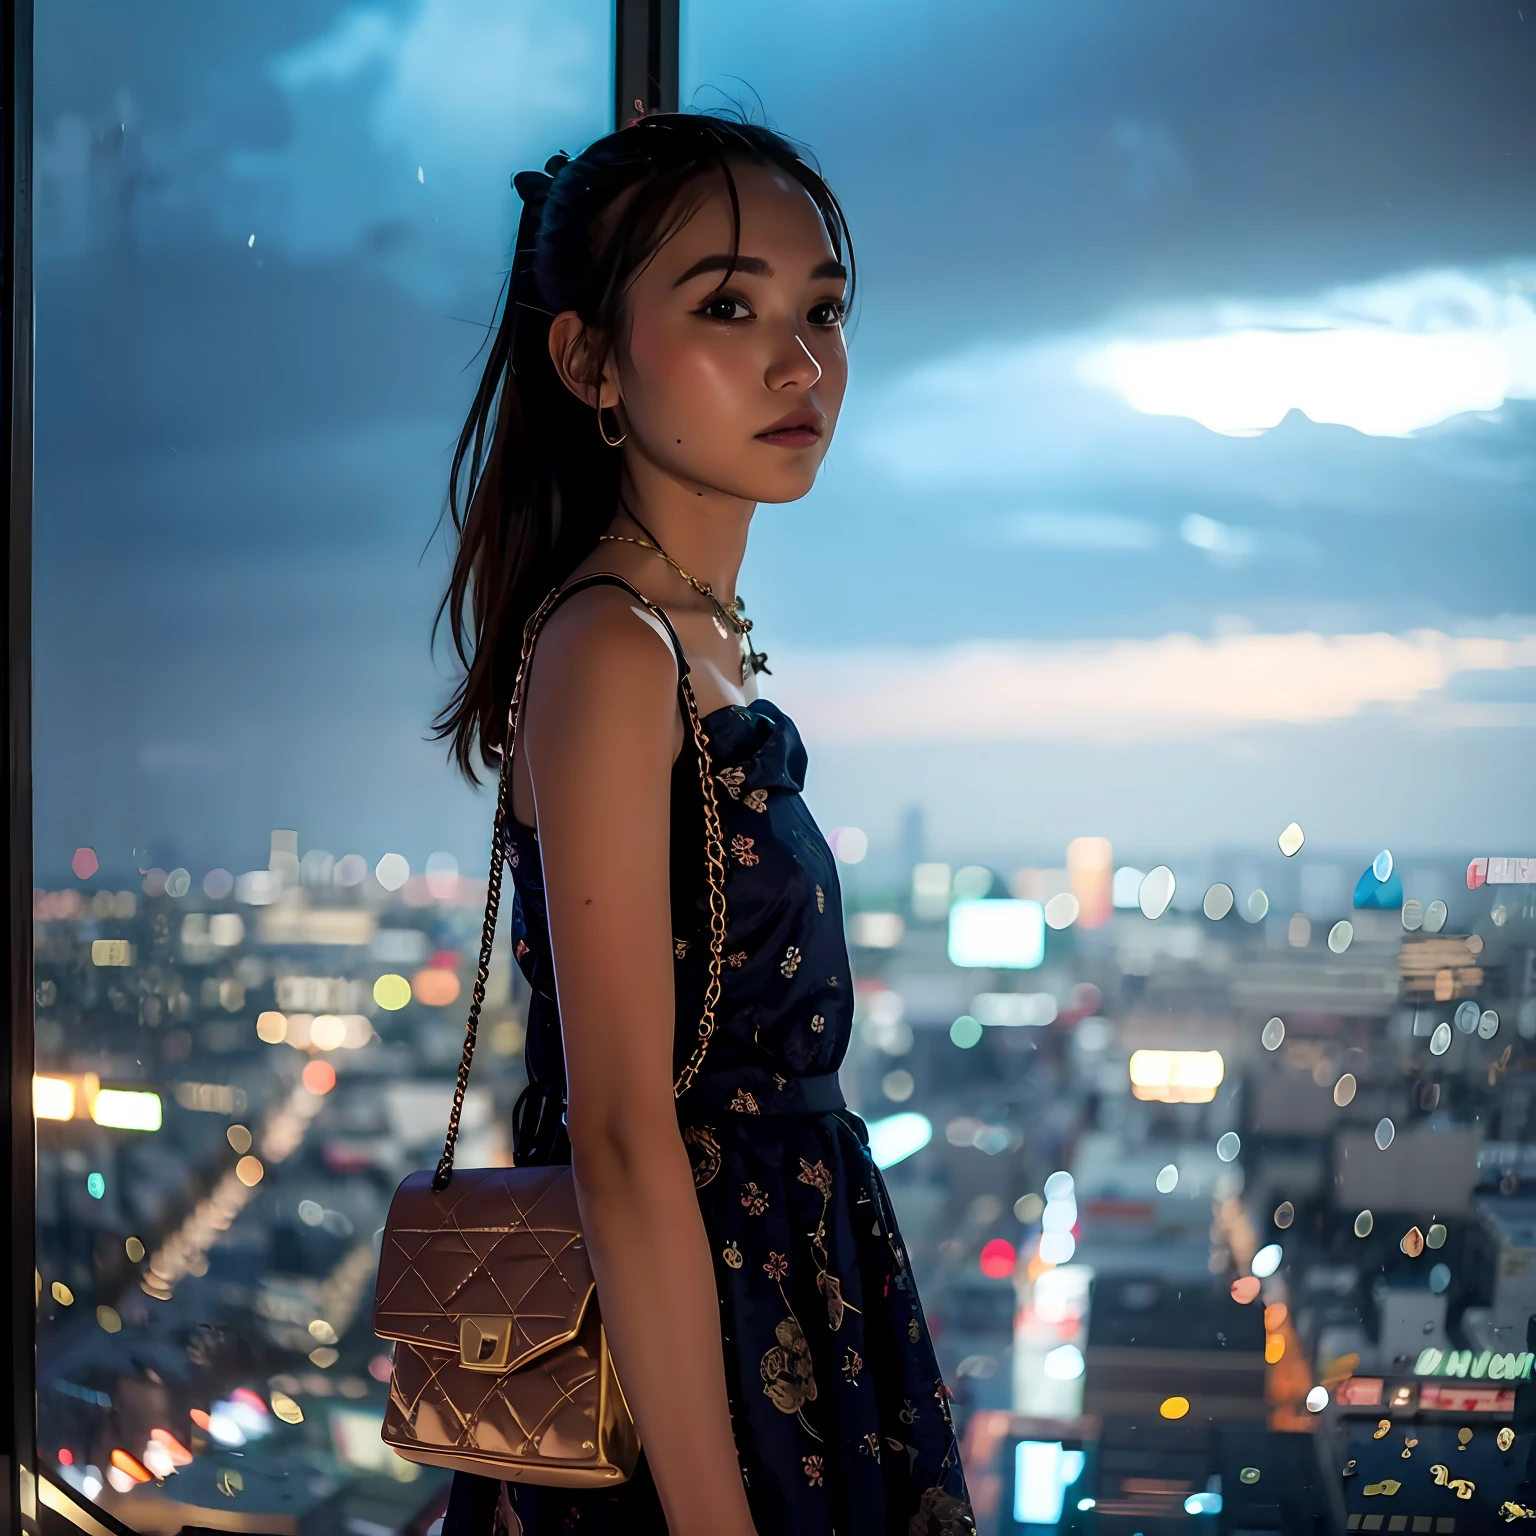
x=1222, y=541
x=356, y=38
x=1115, y=403
x=1170, y=688
x=1080, y=530
x=404, y=132
x=1388, y=359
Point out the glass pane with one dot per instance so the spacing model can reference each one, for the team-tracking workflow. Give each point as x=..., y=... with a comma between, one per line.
x=1170, y=576
x=268, y=239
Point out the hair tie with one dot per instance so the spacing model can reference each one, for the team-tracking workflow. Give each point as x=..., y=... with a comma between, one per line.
x=533, y=187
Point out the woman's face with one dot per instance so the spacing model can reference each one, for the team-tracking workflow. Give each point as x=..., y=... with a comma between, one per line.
x=708, y=372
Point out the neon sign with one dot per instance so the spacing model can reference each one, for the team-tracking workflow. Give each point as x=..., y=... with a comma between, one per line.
x=1473, y=1365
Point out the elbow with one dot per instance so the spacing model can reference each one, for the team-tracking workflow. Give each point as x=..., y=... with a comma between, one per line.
x=623, y=1151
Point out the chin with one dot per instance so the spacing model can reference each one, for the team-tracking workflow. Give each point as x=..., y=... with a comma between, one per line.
x=788, y=488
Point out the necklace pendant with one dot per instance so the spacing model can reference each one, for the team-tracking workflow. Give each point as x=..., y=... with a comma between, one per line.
x=724, y=633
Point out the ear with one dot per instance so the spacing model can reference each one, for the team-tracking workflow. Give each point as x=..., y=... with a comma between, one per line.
x=573, y=351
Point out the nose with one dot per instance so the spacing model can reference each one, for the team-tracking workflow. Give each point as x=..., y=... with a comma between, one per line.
x=793, y=367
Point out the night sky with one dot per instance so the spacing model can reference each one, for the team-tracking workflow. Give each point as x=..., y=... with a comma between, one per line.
x=1195, y=320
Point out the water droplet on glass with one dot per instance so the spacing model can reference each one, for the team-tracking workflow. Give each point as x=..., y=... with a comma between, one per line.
x=1248, y=1475
x=1363, y=1224
x=1385, y=1131
x=1440, y=1041
x=1256, y=908
x=1439, y=1278
x=1412, y=1243
x=1466, y=1017
x=1381, y=866
x=1341, y=936
x=1429, y=1095
x=1344, y=1090
x=1244, y=1290
x=1435, y=1237
x=1488, y=1024
x=1413, y=914
x=1434, y=917
x=1285, y=1214
x=1317, y=1399
x=1274, y=1035
x=1218, y=902
x=1291, y=840
x=1267, y=1260
x=1500, y=915
x=1167, y=1180
x=1157, y=887
x=1228, y=1146
x=1505, y=1438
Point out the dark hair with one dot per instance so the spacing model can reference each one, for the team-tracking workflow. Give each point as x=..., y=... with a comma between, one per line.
x=532, y=484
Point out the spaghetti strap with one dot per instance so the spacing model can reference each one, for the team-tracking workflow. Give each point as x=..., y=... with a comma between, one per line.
x=553, y=601
x=613, y=579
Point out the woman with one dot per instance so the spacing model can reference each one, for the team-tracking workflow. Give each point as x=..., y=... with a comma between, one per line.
x=670, y=355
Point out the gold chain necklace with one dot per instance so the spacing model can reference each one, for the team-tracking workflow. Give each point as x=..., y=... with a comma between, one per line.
x=728, y=615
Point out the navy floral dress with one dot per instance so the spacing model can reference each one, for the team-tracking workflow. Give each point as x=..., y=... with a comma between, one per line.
x=842, y=1421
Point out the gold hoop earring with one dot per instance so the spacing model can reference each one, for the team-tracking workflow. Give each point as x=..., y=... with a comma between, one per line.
x=612, y=442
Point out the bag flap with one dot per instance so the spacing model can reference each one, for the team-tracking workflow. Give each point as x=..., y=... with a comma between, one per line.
x=497, y=1242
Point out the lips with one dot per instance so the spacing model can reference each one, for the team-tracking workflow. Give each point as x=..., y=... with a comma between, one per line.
x=795, y=424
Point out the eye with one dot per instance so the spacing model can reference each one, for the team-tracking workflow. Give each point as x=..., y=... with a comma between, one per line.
x=721, y=307
x=831, y=312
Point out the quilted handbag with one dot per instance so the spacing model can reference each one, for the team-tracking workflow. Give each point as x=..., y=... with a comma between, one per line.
x=485, y=1287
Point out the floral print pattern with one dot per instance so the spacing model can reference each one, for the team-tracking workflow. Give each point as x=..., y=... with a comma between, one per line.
x=789, y=1382
x=703, y=1152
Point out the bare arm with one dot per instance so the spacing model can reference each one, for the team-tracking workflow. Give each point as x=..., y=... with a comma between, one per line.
x=601, y=730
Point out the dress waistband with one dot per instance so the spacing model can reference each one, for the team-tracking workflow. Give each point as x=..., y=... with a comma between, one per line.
x=538, y=1119
x=760, y=1093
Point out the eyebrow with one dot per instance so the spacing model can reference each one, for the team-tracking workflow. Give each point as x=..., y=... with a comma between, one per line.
x=755, y=266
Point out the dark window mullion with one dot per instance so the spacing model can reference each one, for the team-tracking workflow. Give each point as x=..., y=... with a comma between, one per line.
x=645, y=44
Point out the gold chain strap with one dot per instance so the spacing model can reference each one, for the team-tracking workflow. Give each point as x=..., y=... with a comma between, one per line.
x=714, y=863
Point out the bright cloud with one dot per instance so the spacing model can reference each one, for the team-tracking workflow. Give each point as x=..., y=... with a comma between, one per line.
x=1387, y=359
x=1172, y=687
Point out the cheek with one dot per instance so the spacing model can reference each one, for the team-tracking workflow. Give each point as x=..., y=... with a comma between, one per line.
x=676, y=372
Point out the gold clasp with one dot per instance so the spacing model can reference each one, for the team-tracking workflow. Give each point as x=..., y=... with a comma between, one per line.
x=485, y=1343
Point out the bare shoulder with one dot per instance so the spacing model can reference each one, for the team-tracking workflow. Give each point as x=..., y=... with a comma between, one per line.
x=602, y=654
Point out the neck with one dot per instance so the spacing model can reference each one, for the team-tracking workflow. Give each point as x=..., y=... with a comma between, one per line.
x=704, y=530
